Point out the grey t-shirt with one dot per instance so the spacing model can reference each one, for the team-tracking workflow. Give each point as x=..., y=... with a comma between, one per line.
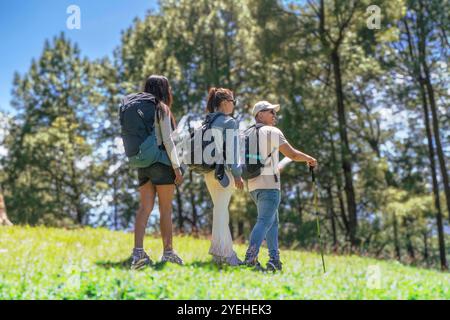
x=270, y=140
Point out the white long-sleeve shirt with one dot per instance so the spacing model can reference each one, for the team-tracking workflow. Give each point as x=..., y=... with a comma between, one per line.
x=163, y=131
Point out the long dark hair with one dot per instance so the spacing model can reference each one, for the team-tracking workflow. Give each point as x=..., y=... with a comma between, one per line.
x=215, y=98
x=159, y=87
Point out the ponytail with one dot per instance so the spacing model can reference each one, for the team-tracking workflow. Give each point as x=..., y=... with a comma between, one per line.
x=215, y=98
x=211, y=105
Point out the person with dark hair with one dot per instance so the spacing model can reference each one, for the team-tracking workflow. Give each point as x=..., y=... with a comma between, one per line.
x=220, y=106
x=160, y=177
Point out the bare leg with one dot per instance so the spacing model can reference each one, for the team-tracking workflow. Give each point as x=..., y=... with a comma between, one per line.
x=165, y=196
x=147, y=193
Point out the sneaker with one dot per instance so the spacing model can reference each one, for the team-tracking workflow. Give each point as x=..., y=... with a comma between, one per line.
x=254, y=264
x=140, y=260
x=233, y=260
x=274, y=265
x=171, y=256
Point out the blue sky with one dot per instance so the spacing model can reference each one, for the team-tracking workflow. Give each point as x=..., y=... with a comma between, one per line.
x=25, y=24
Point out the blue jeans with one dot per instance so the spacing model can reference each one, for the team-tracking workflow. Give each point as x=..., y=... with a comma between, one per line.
x=267, y=202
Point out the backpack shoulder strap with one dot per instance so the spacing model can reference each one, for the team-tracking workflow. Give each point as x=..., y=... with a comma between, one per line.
x=259, y=126
x=249, y=128
x=209, y=122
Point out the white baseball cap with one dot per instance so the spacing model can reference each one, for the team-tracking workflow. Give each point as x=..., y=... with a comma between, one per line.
x=264, y=105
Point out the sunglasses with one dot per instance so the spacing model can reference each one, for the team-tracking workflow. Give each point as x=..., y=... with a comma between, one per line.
x=232, y=100
x=272, y=111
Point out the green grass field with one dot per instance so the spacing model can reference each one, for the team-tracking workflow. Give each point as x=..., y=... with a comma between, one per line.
x=43, y=263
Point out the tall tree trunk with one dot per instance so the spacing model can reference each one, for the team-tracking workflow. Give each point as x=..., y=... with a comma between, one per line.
x=339, y=188
x=426, y=250
x=76, y=198
x=396, y=243
x=332, y=215
x=74, y=185
x=194, y=208
x=115, y=203
x=439, y=150
x=299, y=206
x=409, y=244
x=4, y=221
x=333, y=54
x=437, y=202
x=345, y=149
x=180, y=218
x=433, y=107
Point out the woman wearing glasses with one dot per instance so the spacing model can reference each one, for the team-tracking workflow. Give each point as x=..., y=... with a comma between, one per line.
x=265, y=188
x=222, y=182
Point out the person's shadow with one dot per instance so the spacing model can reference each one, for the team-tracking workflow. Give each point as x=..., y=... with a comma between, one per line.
x=208, y=265
x=126, y=263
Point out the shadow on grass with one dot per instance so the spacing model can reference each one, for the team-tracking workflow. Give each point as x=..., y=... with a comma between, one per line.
x=125, y=264
x=212, y=266
x=207, y=265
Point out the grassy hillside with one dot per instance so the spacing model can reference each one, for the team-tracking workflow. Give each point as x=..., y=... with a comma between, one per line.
x=42, y=263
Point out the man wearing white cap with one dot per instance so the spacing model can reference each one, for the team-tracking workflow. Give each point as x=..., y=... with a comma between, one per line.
x=265, y=188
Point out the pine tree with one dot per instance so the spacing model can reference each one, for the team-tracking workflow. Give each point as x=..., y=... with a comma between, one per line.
x=50, y=174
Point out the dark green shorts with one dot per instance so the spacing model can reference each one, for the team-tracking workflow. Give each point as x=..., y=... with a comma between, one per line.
x=158, y=173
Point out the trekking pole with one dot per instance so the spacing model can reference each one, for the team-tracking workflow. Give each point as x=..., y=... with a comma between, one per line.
x=311, y=169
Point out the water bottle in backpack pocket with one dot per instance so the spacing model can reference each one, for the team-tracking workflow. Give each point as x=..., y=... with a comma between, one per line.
x=149, y=153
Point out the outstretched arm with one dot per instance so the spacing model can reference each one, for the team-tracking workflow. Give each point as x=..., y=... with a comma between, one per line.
x=288, y=151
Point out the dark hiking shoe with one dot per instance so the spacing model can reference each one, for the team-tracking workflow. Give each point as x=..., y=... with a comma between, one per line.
x=171, y=256
x=254, y=264
x=139, y=260
x=274, y=265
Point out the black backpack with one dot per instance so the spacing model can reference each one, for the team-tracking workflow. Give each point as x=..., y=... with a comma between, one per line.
x=198, y=148
x=137, y=117
x=253, y=161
